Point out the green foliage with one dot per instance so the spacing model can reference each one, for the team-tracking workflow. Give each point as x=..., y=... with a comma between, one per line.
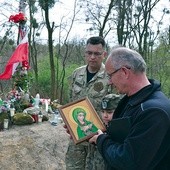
x=44, y=71
x=3, y=115
x=22, y=79
x=159, y=64
x=7, y=46
x=45, y=118
x=22, y=119
x=69, y=70
x=44, y=83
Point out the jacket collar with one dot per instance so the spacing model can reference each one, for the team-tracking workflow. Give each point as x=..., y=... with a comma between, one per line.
x=144, y=93
x=100, y=73
x=137, y=98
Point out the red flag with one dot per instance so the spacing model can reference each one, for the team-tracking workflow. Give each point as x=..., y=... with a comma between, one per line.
x=19, y=55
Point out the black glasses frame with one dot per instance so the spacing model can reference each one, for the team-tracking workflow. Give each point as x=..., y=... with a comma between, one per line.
x=111, y=74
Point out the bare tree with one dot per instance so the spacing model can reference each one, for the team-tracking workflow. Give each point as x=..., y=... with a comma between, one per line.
x=67, y=50
x=99, y=16
x=46, y=5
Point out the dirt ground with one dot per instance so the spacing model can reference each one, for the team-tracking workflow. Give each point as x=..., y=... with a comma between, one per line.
x=39, y=146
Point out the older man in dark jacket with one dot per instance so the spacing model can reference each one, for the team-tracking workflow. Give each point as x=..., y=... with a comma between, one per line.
x=146, y=146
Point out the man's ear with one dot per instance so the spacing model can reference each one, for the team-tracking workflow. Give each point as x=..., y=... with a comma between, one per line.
x=126, y=71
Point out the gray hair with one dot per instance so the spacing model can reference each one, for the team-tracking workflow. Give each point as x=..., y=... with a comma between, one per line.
x=122, y=56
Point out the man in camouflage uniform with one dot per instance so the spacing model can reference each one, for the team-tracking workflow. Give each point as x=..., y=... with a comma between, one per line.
x=89, y=80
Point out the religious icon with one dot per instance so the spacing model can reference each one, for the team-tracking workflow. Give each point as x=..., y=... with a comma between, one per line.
x=81, y=119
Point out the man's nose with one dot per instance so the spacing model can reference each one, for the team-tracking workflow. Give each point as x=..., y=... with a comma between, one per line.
x=93, y=56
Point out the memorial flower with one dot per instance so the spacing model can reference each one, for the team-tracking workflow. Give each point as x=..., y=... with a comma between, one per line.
x=18, y=18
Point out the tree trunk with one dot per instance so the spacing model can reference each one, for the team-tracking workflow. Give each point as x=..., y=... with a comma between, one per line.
x=51, y=55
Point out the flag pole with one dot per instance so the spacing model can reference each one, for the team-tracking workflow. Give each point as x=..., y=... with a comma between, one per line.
x=20, y=55
x=22, y=25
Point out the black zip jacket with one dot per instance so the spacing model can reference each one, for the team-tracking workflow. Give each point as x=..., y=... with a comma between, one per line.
x=147, y=145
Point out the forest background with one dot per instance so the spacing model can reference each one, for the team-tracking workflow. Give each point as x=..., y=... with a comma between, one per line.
x=56, y=44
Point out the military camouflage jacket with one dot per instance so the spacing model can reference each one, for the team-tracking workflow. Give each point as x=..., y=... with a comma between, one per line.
x=95, y=89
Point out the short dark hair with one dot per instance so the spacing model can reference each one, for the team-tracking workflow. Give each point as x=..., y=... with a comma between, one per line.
x=96, y=40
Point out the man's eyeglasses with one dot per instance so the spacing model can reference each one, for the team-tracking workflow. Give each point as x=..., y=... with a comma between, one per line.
x=95, y=54
x=111, y=74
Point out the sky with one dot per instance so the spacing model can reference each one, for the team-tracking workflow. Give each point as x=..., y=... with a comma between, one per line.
x=79, y=30
x=65, y=10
